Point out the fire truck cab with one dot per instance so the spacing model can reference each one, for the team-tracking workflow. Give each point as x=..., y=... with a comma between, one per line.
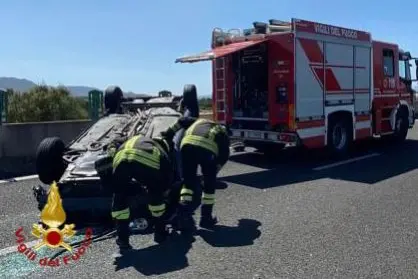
x=306, y=83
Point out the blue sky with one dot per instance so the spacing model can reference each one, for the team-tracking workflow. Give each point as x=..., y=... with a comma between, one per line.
x=134, y=43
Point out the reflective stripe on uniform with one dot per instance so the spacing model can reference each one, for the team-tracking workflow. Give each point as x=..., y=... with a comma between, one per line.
x=207, y=143
x=140, y=156
x=200, y=141
x=216, y=130
x=186, y=194
x=121, y=214
x=131, y=142
x=157, y=210
x=208, y=198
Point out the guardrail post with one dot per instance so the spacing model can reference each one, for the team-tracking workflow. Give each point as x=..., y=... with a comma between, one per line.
x=95, y=104
x=3, y=106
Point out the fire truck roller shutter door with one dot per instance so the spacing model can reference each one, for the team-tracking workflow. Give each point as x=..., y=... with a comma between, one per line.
x=217, y=52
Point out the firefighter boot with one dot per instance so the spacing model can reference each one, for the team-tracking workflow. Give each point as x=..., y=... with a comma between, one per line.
x=186, y=223
x=206, y=219
x=122, y=230
x=160, y=232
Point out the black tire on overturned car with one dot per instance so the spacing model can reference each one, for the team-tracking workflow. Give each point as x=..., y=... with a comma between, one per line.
x=190, y=93
x=112, y=99
x=190, y=99
x=49, y=162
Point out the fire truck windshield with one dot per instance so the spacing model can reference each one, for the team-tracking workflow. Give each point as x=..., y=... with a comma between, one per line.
x=407, y=70
x=404, y=69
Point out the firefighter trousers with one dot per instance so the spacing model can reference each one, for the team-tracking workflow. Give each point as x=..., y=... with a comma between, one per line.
x=192, y=195
x=153, y=179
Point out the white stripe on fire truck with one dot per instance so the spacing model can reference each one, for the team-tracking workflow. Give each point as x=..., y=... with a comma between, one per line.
x=363, y=124
x=320, y=131
x=311, y=132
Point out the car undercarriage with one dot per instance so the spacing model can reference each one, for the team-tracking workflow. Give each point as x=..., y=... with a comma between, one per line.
x=85, y=190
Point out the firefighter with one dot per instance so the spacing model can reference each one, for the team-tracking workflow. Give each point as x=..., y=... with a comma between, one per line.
x=205, y=143
x=149, y=162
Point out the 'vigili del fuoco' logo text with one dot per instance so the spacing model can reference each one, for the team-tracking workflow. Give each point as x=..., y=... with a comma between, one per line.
x=52, y=233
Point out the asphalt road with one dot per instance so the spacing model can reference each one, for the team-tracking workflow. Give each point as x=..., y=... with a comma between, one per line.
x=279, y=218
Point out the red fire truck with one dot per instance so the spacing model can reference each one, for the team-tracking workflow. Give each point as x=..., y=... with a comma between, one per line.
x=306, y=83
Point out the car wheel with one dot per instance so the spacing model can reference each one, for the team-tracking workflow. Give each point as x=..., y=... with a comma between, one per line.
x=50, y=165
x=113, y=97
x=190, y=96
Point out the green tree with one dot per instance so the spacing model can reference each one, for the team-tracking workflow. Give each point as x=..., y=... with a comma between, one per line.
x=44, y=103
x=205, y=103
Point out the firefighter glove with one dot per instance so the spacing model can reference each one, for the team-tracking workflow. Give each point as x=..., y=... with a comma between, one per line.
x=167, y=134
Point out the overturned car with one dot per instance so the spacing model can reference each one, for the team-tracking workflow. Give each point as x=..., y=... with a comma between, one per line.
x=84, y=189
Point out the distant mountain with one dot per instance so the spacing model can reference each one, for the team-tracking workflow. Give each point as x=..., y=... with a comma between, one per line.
x=24, y=85
x=16, y=83
x=80, y=91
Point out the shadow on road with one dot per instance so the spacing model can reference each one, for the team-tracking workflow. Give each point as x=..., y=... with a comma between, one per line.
x=158, y=259
x=295, y=166
x=242, y=235
x=221, y=185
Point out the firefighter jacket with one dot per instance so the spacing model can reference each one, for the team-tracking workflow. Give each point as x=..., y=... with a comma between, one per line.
x=203, y=133
x=153, y=153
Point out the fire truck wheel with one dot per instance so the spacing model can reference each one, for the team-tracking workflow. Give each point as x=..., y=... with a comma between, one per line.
x=401, y=126
x=340, y=136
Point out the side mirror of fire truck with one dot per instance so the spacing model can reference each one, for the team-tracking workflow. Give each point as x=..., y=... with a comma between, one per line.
x=416, y=69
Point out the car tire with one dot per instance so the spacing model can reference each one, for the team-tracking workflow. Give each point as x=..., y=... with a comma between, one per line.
x=340, y=137
x=50, y=165
x=113, y=97
x=190, y=95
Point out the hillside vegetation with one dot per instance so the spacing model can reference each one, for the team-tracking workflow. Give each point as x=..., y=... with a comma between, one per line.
x=43, y=103
x=46, y=103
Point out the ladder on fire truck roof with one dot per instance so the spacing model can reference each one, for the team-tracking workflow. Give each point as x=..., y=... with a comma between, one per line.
x=220, y=89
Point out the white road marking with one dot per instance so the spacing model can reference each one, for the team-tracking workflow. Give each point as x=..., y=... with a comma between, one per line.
x=13, y=249
x=21, y=178
x=346, y=161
